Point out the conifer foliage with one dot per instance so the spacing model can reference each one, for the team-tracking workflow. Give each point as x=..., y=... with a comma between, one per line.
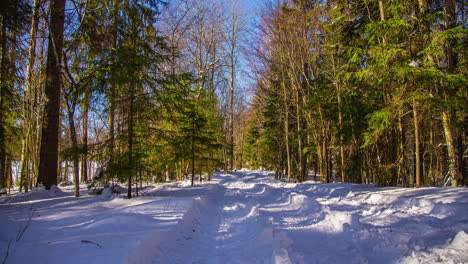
x=114, y=91
x=368, y=91
x=126, y=92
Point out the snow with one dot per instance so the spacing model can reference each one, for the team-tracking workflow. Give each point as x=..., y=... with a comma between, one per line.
x=242, y=217
x=414, y=64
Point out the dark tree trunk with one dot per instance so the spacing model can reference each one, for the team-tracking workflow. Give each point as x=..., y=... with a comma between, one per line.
x=231, y=118
x=192, y=142
x=417, y=145
x=84, y=162
x=130, y=139
x=449, y=116
x=50, y=128
x=193, y=160
x=74, y=140
x=3, y=94
x=112, y=88
x=30, y=136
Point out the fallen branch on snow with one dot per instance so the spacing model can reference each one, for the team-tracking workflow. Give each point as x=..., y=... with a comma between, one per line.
x=90, y=242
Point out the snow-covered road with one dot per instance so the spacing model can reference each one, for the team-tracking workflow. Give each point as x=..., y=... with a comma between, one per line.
x=248, y=217
x=242, y=217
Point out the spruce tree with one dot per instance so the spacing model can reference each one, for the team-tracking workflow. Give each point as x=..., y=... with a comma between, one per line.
x=53, y=84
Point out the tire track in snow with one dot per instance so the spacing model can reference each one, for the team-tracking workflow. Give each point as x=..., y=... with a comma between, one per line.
x=224, y=225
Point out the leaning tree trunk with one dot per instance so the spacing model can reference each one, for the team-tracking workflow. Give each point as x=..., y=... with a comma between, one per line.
x=50, y=128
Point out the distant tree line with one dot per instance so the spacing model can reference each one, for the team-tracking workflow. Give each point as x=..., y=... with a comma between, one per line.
x=145, y=88
x=362, y=91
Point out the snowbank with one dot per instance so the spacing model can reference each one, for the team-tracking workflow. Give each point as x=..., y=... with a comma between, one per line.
x=37, y=193
x=241, y=217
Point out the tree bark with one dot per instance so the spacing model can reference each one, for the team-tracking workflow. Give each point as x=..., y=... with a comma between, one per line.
x=74, y=140
x=449, y=115
x=301, y=169
x=112, y=88
x=3, y=99
x=131, y=113
x=232, y=73
x=288, y=150
x=84, y=162
x=50, y=128
x=231, y=106
x=193, y=159
x=417, y=145
x=454, y=169
x=30, y=134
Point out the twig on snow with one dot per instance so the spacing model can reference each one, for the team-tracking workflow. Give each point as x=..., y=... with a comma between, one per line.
x=90, y=242
x=21, y=232
x=7, y=252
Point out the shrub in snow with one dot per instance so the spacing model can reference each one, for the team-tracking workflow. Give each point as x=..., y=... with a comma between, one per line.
x=107, y=192
x=117, y=189
x=65, y=183
x=98, y=182
x=97, y=185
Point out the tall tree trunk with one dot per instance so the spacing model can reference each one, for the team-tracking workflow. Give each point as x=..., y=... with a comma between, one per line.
x=74, y=140
x=3, y=99
x=112, y=87
x=193, y=157
x=23, y=170
x=131, y=113
x=288, y=150
x=231, y=128
x=286, y=130
x=301, y=169
x=84, y=162
x=417, y=144
x=340, y=123
x=454, y=169
x=462, y=133
x=50, y=128
x=449, y=116
x=393, y=146
x=10, y=175
x=29, y=105
x=231, y=112
x=241, y=163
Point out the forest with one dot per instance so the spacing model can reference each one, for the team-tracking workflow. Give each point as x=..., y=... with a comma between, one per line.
x=364, y=91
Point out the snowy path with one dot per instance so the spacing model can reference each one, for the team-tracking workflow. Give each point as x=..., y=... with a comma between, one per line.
x=224, y=226
x=242, y=217
x=248, y=217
